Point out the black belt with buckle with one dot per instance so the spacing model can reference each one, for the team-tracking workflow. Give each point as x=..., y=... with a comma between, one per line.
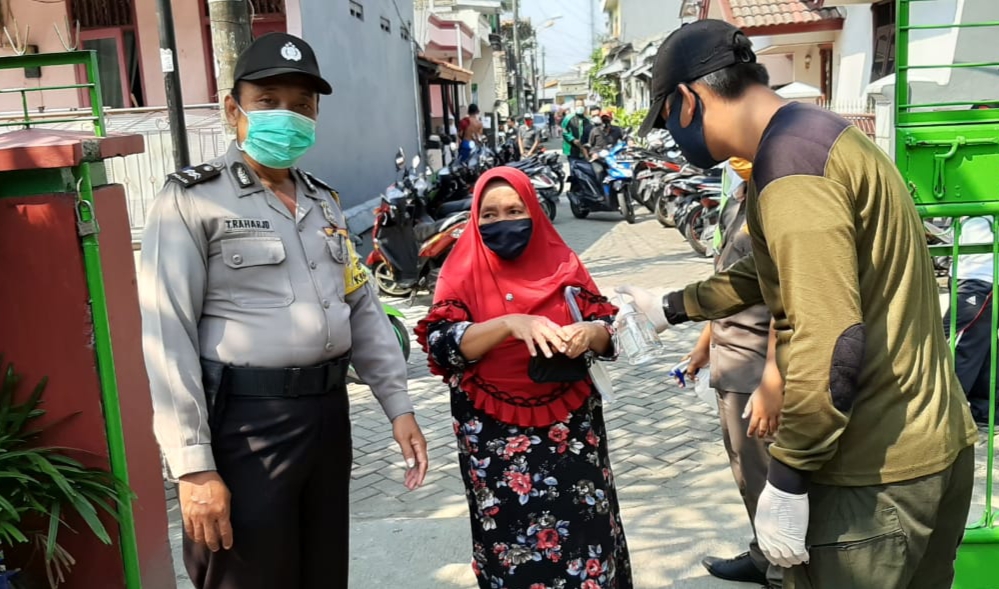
x=276, y=383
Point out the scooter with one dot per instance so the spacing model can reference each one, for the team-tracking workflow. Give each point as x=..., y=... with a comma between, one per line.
x=543, y=183
x=589, y=192
x=410, y=246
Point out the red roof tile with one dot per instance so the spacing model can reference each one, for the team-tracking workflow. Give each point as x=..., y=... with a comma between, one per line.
x=754, y=14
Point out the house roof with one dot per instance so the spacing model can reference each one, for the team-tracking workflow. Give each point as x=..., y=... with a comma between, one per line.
x=778, y=16
x=446, y=71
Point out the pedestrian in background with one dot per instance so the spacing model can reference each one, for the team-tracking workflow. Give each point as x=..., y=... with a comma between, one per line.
x=872, y=467
x=747, y=383
x=975, y=337
x=254, y=303
x=469, y=132
x=529, y=138
x=575, y=133
x=532, y=444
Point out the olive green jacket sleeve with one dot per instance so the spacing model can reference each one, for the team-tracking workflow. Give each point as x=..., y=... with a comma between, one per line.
x=810, y=230
x=722, y=295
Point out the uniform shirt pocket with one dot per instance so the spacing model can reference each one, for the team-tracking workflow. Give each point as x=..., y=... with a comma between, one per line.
x=256, y=275
x=338, y=251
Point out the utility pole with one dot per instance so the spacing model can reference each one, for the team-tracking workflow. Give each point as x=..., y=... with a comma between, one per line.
x=593, y=24
x=534, y=75
x=171, y=81
x=231, y=34
x=544, y=78
x=518, y=79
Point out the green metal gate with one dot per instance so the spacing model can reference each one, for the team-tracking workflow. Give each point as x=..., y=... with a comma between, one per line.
x=948, y=152
x=85, y=176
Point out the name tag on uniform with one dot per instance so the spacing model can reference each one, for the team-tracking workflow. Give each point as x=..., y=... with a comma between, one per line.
x=243, y=225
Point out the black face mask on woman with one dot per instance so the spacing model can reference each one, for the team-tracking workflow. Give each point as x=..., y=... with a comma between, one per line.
x=507, y=239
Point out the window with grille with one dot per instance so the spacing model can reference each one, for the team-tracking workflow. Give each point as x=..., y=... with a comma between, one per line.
x=261, y=8
x=356, y=10
x=267, y=7
x=883, y=62
x=386, y=25
x=404, y=32
x=102, y=14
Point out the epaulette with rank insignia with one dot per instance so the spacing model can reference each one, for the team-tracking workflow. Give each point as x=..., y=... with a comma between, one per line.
x=317, y=182
x=194, y=175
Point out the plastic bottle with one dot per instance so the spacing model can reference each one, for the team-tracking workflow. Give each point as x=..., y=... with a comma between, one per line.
x=637, y=339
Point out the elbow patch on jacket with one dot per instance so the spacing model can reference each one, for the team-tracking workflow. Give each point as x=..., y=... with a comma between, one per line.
x=847, y=361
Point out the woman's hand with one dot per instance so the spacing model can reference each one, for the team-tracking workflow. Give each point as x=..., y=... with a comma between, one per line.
x=584, y=336
x=538, y=333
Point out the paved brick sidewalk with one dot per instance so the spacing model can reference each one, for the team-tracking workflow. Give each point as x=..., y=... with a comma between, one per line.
x=678, y=499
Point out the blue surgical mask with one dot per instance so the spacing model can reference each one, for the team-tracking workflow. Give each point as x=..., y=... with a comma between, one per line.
x=507, y=239
x=690, y=139
x=278, y=138
x=580, y=110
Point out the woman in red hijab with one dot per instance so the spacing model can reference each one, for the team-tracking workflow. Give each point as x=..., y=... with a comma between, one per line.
x=531, y=437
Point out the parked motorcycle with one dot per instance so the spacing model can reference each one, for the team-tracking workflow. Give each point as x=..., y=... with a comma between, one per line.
x=939, y=232
x=608, y=191
x=677, y=187
x=410, y=245
x=543, y=181
x=696, y=214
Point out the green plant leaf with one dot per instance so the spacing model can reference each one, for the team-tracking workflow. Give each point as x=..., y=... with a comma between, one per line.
x=12, y=534
x=89, y=515
x=50, y=541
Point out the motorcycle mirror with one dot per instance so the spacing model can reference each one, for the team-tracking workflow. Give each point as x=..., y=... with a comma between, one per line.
x=400, y=159
x=416, y=161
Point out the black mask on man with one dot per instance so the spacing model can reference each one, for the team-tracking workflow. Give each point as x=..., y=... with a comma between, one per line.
x=507, y=239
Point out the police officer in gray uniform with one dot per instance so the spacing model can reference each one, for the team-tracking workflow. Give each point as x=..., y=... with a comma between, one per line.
x=253, y=305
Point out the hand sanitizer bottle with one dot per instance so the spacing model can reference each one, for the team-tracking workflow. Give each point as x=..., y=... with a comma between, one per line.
x=637, y=339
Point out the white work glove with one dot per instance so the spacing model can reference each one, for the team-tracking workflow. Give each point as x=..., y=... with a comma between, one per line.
x=649, y=303
x=781, y=523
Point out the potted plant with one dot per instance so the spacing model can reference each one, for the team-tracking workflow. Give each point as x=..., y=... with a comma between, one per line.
x=39, y=485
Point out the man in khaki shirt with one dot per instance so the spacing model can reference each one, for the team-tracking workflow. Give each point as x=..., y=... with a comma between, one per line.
x=253, y=306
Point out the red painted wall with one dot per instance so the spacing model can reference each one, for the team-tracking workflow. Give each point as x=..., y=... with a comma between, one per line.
x=45, y=330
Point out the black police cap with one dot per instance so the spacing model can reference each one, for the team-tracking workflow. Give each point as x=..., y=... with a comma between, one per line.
x=276, y=54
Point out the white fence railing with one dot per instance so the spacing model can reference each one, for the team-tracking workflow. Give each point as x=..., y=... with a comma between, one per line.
x=143, y=174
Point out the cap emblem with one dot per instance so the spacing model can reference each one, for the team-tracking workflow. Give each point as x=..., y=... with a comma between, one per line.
x=290, y=52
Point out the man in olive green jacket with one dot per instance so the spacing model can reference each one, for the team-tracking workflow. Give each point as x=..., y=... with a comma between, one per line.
x=872, y=468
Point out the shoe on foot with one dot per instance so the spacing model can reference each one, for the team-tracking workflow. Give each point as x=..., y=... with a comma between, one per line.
x=741, y=568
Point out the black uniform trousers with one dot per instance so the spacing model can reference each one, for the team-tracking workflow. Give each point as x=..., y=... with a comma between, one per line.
x=287, y=464
x=973, y=357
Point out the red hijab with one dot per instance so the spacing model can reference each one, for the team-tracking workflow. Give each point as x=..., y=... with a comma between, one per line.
x=477, y=285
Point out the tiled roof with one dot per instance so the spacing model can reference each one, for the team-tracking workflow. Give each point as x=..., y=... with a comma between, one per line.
x=750, y=14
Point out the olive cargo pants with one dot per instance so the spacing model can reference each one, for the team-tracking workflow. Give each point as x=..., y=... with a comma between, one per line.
x=897, y=536
x=287, y=465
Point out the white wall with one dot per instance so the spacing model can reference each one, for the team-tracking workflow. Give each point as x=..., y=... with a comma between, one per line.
x=852, y=54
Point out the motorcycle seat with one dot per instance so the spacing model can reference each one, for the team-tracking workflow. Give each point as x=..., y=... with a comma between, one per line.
x=456, y=206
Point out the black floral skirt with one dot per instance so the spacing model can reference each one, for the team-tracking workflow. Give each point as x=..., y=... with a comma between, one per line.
x=543, y=505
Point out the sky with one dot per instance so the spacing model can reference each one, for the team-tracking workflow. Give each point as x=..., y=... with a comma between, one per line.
x=568, y=41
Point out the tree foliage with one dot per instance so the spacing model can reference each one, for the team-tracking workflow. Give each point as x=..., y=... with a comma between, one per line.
x=604, y=87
